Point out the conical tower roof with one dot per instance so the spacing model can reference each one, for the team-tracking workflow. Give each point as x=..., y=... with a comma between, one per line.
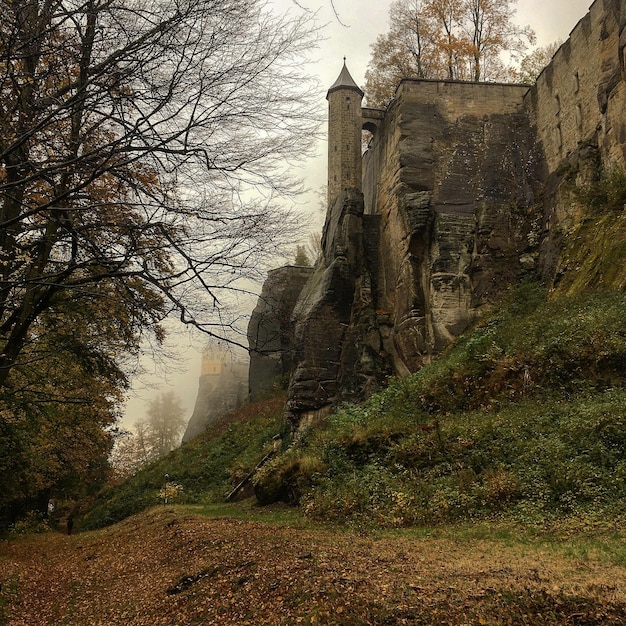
x=345, y=81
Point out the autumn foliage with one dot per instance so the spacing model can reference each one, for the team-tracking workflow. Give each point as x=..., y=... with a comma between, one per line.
x=169, y=566
x=445, y=39
x=142, y=147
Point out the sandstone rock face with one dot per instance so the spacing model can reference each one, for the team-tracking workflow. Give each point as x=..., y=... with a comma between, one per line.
x=324, y=312
x=466, y=189
x=450, y=181
x=271, y=332
x=455, y=176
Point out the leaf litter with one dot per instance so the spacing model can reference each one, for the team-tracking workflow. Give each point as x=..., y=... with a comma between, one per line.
x=167, y=567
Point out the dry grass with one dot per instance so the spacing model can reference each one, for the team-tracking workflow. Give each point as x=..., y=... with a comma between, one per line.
x=167, y=567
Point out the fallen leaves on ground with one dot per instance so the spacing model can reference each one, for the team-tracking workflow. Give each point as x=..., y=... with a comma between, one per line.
x=166, y=567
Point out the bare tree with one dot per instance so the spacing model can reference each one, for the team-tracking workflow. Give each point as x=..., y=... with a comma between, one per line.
x=491, y=31
x=142, y=146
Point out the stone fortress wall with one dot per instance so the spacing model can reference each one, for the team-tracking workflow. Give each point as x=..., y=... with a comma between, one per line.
x=451, y=173
x=580, y=97
x=460, y=199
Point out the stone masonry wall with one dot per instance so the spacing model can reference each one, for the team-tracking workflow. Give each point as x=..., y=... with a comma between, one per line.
x=344, y=142
x=466, y=190
x=580, y=98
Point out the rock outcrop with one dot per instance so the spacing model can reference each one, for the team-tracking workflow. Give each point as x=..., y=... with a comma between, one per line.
x=270, y=330
x=455, y=177
x=222, y=387
x=323, y=316
x=464, y=192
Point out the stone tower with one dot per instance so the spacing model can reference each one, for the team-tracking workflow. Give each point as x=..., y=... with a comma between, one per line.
x=222, y=386
x=344, y=135
x=212, y=361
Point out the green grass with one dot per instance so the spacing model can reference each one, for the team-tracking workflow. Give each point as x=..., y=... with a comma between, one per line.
x=523, y=420
x=206, y=468
x=524, y=417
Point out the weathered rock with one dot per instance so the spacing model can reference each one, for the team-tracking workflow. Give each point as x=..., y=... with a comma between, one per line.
x=222, y=387
x=454, y=176
x=271, y=330
x=467, y=189
x=327, y=365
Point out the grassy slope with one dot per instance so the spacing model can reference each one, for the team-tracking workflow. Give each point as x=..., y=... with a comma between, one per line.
x=206, y=467
x=525, y=416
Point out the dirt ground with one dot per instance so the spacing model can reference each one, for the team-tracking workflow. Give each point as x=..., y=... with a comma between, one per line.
x=168, y=567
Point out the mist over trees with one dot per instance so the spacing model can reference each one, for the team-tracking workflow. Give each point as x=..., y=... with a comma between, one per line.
x=445, y=39
x=158, y=433
x=142, y=150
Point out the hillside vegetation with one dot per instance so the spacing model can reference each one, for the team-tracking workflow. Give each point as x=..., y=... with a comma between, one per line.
x=523, y=418
x=201, y=471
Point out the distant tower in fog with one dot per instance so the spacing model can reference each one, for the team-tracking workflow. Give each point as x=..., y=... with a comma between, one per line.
x=344, y=135
x=212, y=358
x=223, y=386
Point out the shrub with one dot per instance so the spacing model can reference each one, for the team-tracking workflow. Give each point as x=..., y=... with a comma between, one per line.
x=607, y=192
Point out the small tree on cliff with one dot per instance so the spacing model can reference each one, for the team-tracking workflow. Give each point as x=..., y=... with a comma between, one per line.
x=453, y=39
x=302, y=258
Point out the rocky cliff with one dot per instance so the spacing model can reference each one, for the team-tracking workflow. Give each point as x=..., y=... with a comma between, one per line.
x=271, y=331
x=467, y=188
x=222, y=387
